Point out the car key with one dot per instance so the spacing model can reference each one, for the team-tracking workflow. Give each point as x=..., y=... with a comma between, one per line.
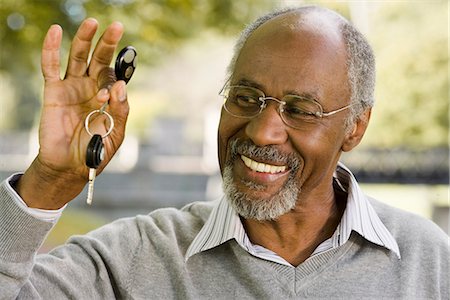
x=123, y=70
x=94, y=155
x=95, y=151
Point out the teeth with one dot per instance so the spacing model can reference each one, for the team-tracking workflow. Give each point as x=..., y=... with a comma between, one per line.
x=260, y=167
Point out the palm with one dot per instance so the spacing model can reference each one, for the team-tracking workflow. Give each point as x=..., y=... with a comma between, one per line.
x=62, y=137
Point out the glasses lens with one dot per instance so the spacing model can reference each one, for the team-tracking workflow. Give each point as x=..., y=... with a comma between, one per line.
x=243, y=101
x=297, y=110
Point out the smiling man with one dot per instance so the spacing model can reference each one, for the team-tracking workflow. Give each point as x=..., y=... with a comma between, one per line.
x=293, y=222
x=297, y=133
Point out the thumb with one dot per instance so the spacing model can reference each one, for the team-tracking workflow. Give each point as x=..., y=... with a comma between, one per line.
x=118, y=104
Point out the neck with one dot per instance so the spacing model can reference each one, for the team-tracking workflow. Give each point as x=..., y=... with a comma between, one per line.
x=295, y=235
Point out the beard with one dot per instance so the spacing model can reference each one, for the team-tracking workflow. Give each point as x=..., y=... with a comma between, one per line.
x=258, y=208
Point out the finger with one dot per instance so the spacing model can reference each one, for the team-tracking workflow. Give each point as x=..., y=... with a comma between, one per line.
x=50, y=61
x=103, y=96
x=104, y=50
x=106, y=78
x=80, y=48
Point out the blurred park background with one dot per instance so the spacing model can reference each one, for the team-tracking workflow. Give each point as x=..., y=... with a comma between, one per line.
x=169, y=155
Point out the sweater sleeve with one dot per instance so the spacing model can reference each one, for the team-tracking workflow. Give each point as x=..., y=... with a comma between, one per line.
x=21, y=235
x=85, y=267
x=41, y=214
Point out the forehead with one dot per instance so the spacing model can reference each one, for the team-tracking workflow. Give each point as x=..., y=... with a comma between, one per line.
x=294, y=52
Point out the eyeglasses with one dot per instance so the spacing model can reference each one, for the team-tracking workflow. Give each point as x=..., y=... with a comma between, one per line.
x=248, y=102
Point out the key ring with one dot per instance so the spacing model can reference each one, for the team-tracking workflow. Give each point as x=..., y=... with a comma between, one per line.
x=111, y=120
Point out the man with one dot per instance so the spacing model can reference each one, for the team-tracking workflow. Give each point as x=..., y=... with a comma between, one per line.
x=293, y=222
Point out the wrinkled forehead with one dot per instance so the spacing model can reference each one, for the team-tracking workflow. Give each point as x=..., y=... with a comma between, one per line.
x=303, y=42
x=296, y=52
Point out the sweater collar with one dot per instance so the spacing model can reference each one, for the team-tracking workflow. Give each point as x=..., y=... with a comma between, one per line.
x=224, y=224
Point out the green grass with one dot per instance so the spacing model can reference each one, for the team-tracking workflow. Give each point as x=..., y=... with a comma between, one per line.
x=416, y=198
x=72, y=222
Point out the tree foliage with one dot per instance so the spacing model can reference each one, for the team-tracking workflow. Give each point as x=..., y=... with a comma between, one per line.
x=410, y=42
x=411, y=45
x=155, y=27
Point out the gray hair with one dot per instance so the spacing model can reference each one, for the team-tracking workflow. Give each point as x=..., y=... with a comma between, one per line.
x=360, y=58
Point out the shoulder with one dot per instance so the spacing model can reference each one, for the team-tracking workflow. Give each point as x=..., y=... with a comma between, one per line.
x=410, y=230
x=168, y=226
x=424, y=250
x=190, y=216
x=165, y=221
x=186, y=221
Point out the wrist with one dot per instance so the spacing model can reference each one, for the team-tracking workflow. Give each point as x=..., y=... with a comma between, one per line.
x=45, y=188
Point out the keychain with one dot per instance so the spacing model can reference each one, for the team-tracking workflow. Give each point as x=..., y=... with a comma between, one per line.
x=95, y=152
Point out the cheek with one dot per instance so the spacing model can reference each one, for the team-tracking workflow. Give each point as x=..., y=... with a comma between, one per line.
x=318, y=144
x=221, y=148
x=320, y=150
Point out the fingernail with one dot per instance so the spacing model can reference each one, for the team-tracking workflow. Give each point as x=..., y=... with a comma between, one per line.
x=122, y=93
x=102, y=92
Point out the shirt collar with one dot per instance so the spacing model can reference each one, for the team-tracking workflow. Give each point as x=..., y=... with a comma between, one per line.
x=360, y=216
x=224, y=223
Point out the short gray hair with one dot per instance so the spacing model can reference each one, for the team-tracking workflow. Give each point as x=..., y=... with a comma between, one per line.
x=360, y=58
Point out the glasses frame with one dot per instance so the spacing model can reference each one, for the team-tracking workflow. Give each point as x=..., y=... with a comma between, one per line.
x=263, y=98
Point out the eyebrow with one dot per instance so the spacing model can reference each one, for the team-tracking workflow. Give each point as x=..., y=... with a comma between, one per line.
x=308, y=95
x=250, y=83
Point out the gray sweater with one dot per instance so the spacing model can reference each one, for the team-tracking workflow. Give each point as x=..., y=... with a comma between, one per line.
x=144, y=258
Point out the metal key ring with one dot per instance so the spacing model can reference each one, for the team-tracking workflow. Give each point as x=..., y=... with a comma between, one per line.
x=111, y=120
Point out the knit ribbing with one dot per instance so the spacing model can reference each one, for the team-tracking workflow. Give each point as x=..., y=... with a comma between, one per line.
x=22, y=234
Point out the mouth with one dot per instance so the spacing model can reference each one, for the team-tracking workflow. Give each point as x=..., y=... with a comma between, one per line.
x=262, y=167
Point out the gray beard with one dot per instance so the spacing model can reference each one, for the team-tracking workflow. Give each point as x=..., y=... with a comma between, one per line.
x=261, y=209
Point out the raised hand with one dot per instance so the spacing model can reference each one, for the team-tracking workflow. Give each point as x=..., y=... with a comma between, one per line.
x=59, y=172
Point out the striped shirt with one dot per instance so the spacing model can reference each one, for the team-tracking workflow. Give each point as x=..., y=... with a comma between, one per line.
x=224, y=224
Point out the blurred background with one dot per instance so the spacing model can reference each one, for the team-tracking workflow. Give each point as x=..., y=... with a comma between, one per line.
x=169, y=155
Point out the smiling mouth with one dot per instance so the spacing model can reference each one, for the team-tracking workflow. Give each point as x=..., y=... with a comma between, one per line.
x=262, y=167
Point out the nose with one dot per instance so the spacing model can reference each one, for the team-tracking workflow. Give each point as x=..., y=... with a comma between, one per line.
x=267, y=128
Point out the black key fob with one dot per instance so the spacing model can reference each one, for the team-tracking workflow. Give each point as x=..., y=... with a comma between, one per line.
x=126, y=63
x=95, y=152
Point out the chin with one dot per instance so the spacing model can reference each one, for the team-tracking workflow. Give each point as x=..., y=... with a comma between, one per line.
x=251, y=201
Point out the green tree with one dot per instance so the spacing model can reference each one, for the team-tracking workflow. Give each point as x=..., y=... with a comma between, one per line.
x=154, y=27
x=411, y=45
x=410, y=42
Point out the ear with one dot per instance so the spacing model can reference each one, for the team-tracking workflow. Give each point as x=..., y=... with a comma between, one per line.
x=354, y=137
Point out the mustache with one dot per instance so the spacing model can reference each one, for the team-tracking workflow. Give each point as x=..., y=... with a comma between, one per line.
x=268, y=153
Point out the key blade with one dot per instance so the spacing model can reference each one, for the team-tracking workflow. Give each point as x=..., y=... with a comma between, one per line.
x=90, y=192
